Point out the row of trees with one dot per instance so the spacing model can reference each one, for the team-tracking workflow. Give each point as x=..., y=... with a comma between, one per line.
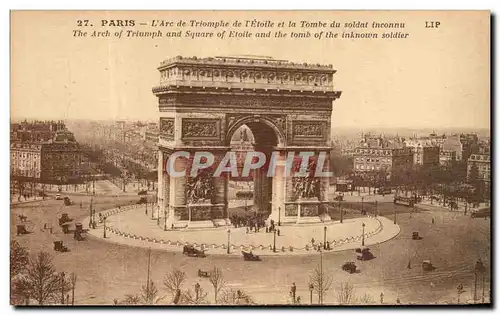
x=37, y=279
x=320, y=283
x=174, y=284
x=450, y=181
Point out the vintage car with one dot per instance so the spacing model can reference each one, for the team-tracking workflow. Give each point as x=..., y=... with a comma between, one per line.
x=59, y=247
x=79, y=232
x=249, y=256
x=64, y=219
x=349, y=267
x=364, y=253
x=190, y=251
x=427, y=265
x=142, y=192
x=204, y=274
x=59, y=197
x=415, y=236
x=142, y=200
x=67, y=201
x=21, y=229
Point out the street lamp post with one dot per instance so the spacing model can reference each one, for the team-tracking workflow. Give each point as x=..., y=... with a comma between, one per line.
x=324, y=237
x=311, y=288
x=228, y=240
x=104, y=227
x=394, y=214
x=165, y=220
x=274, y=241
x=279, y=216
x=363, y=235
x=362, y=205
x=376, y=208
x=341, y=213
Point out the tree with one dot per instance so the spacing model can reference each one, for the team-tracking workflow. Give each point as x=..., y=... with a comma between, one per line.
x=149, y=294
x=217, y=280
x=366, y=299
x=131, y=299
x=346, y=294
x=43, y=281
x=73, y=278
x=320, y=282
x=235, y=297
x=173, y=282
x=19, y=259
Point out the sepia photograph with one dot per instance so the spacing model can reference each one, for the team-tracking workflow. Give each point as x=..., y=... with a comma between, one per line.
x=250, y=158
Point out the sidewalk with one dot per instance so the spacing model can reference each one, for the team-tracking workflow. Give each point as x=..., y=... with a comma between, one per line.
x=132, y=227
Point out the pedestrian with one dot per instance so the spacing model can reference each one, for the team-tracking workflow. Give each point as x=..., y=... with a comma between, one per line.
x=267, y=229
x=328, y=245
x=278, y=232
x=172, y=226
x=398, y=301
x=432, y=220
x=298, y=299
x=247, y=230
x=312, y=241
x=409, y=264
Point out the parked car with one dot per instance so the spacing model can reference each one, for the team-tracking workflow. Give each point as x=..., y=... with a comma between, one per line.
x=142, y=200
x=190, y=251
x=364, y=253
x=427, y=265
x=249, y=256
x=142, y=192
x=349, y=266
x=59, y=197
x=67, y=201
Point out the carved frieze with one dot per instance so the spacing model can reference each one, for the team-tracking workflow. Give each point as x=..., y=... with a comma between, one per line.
x=201, y=213
x=167, y=127
x=313, y=129
x=248, y=102
x=309, y=210
x=291, y=210
x=202, y=129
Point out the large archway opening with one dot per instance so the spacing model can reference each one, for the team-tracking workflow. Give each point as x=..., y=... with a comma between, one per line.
x=253, y=194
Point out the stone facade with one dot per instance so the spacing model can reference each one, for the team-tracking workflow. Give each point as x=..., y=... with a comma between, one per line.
x=203, y=102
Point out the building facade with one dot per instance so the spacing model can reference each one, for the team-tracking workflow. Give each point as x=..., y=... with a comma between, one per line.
x=373, y=159
x=483, y=164
x=57, y=160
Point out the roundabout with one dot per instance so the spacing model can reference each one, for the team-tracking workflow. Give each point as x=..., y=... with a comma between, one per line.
x=130, y=225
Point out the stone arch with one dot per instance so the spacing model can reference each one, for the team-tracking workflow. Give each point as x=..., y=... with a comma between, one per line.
x=259, y=125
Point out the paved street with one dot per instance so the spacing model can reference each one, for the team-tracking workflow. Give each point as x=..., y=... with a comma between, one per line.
x=107, y=271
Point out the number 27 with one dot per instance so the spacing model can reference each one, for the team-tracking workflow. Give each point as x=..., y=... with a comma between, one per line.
x=82, y=23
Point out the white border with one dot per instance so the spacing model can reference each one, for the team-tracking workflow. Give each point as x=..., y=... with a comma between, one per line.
x=172, y=5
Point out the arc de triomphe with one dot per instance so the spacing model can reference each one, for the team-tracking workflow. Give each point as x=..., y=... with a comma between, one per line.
x=202, y=102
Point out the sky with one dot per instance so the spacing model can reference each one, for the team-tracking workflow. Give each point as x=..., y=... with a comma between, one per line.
x=434, y=78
